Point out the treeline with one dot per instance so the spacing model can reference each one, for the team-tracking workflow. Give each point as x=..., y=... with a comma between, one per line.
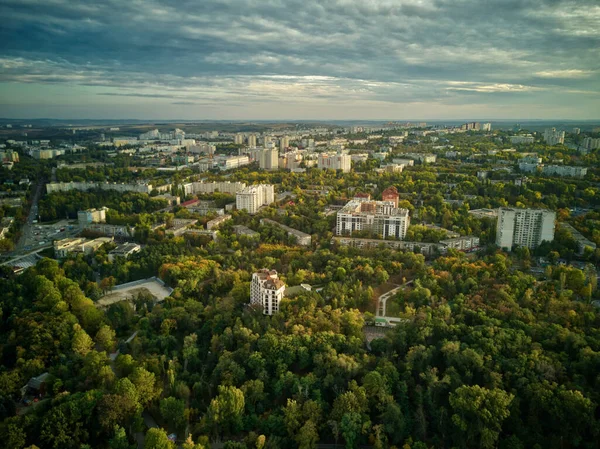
x=66, y=204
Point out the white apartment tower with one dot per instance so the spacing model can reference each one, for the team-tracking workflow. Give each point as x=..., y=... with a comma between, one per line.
x=554, y=137
x=284, y=142
x=253, y=197
x=238, y=139
x=267, y=290
x=335, y=161
x=268, y=159
x=524, y=227
x=252, y=140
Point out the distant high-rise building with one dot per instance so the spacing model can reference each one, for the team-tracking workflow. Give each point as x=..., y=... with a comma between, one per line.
x=267, y=290
x=252, y=141
x=284, y=142
x=238, y=139
x=486, y=127
x=576, y=130
x=335, y=161
x=524, y=227
x=591, y=144
x=268, y=159
x=554, y=137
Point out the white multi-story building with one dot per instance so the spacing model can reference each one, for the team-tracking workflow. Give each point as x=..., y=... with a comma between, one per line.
x=554, y=137
x=202, y=148
x=85, y=186
x=232, y=188
x=524, y=227
x=486, y=127
x=591, y=144
x=252, y=140
x=150, y=135
x=423, y=158
x=528, y=167
x=227, y=163
x=565, y=170
x=267, y=290
x=522, y=139
x=86, y=217
x=238, y=139
x=254, y=197
x=335, y=161
x=291, y=160
x=268, y=159
x=380, y=217
x=284, y=142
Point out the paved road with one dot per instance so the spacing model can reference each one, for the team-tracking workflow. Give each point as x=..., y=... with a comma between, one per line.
x=382, y=302
x=33, y=212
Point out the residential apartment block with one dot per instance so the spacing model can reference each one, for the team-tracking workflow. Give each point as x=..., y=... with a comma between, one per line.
x=335, y=161
x=301, y=237
x=522, y=139
x=554, y=137
x=380, y=217
x=254, y=197
x=194, y=188
x=524, y=227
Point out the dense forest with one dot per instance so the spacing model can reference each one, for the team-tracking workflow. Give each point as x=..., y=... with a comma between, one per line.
x=486, y=356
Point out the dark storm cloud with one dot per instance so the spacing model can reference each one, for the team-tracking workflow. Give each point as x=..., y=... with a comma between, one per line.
x=278, y=50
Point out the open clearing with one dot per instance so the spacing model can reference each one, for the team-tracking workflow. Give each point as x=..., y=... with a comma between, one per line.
x=131, y=290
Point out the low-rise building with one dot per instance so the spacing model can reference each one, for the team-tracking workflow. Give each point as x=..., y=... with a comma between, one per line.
x=427, y=249
x=462, y=243
x=64, y=247
x=244, y=230
x=180, y=225
x=172, y=200
x=85, y=186
x=124, y=250
x=89, y=216
x=301, y=237
x=122, y=231
x=564, y=170
x=581, y=240
x=525, y=140
x=423, y=158
x=194, y=188
x=216, y=222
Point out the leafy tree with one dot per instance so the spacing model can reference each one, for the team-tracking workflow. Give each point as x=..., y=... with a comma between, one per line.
x=156, y=438
x=479, y=413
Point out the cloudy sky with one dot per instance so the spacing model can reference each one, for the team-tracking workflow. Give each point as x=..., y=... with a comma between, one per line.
x=300, y=59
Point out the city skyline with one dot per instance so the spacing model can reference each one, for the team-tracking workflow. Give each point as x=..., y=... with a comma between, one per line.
x=335, y=60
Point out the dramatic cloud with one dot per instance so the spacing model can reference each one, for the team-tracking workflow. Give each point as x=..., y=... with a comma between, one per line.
x=300, y=58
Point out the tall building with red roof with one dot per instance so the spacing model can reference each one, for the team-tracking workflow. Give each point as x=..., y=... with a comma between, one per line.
x=391, y=194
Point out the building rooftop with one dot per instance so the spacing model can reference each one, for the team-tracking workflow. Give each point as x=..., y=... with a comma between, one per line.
x=382, y=208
